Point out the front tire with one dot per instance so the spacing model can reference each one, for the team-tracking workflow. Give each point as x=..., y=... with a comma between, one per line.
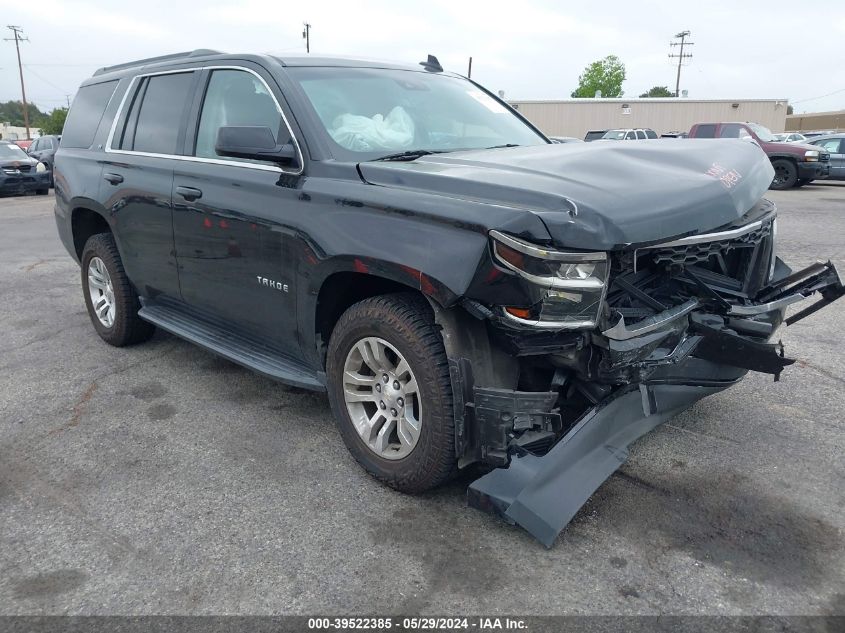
x=390, y=392
x=786, y=174
x=109, y=296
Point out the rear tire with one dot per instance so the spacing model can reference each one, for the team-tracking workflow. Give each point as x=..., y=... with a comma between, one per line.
x=786, y=174
x=106, y=282
x=402, y=326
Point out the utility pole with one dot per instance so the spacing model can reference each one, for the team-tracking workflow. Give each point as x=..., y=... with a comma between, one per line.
x=306, y=35
x=18, y=38
x=469, y=70
x=68, y=101
x=683, y=35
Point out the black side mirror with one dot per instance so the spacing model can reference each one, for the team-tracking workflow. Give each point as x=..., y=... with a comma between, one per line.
x=255, y=142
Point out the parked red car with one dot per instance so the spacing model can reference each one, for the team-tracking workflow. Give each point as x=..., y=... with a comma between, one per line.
x=796, y=164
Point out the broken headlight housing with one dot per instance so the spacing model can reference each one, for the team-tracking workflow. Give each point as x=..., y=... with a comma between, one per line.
x=570, y=286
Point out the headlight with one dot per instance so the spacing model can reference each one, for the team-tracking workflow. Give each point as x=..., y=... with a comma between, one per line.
x=40, y=167
x=811, y=155
x=571, y=285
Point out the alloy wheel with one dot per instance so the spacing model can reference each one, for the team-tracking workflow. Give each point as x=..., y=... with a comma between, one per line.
x=101, y=291
x=382, y=398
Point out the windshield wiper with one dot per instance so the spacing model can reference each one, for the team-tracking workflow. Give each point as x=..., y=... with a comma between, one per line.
x=505, y=145
x=412, y=154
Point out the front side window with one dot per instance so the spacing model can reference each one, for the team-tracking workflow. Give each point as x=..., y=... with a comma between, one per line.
x=733, y=130
x=614, y=135
x=155, y=116
x=367, y=113
x=239, y=98
x=831, y=145
x=650, y=134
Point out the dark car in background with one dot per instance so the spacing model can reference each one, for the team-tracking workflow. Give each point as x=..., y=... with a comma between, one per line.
x=21, y=174
x=44, y=149
x=795, y=164
x=594, y=135
x=465, y=291
x=834, y=144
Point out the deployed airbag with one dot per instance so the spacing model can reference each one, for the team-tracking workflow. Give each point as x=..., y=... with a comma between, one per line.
x=365, y=134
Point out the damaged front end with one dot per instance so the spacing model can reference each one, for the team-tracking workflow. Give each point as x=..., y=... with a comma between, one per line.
x=551, y=395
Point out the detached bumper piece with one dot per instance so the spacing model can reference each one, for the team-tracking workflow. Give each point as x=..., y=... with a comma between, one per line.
x=542, y=494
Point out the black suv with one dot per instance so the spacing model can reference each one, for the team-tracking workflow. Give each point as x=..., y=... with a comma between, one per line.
x=464, y=290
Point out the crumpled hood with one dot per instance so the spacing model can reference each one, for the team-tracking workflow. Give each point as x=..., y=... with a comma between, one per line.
x=599, y=196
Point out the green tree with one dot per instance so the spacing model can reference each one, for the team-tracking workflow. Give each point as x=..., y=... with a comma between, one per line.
x=54, y=122
x=789, y=109
x=658, y=91
x=605, y=74
x=11, y=112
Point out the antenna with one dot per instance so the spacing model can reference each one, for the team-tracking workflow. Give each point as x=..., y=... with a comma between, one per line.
x=432, y=65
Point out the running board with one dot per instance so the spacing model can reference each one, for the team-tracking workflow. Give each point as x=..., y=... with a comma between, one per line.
x=234, y=347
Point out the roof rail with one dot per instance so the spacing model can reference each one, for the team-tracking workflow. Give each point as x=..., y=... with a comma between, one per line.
x=154, y=60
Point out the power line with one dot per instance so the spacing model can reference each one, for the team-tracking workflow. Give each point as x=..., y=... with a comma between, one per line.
x=683, y=35
x=44, y=79
x=829, y=94
x=18, y=37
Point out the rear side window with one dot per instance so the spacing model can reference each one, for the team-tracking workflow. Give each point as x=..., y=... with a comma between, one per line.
x=650, y=134
x=85, y=114
x=155, y=116
x=705, y=131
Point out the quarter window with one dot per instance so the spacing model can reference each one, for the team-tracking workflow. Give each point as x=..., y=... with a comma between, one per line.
x=85, y=114
x=236, y=97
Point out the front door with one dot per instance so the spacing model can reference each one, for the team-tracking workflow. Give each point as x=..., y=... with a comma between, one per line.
x=836, y=147
x=231, y=216
x=138, y=178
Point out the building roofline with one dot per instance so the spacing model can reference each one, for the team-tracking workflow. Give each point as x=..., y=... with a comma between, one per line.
x=647, y=100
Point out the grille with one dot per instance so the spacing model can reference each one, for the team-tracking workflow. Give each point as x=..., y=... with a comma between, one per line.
x=686, y=254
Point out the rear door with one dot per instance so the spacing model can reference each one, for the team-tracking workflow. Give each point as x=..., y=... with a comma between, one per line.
x=141, y=152
x=233, y=217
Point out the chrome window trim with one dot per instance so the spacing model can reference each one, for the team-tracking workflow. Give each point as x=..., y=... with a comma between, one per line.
x=199, y=159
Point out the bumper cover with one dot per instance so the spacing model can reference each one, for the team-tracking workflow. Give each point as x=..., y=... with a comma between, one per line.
x=709, y=353
x=542, y=494
x=25, y=183
x=813, y=171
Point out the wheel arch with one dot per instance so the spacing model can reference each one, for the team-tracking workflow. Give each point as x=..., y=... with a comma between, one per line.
x=86, y=221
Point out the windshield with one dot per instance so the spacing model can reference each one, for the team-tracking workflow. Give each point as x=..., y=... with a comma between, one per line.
x=615, y=135
x=762, y=132
x=10, y=150
x=372, y=112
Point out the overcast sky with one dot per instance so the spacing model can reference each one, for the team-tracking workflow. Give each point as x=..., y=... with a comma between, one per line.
x=531, y=50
